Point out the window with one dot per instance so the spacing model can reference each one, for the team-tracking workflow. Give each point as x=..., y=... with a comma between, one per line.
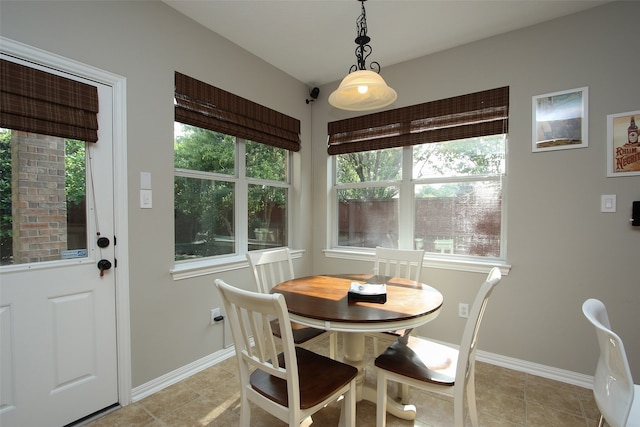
x=44, y=122
x=429, y=177
x=42, y=210
x=232, y=174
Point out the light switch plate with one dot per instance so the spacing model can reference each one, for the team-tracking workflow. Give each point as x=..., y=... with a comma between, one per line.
x=145, y=180
x=608, y=203
x=146, y=199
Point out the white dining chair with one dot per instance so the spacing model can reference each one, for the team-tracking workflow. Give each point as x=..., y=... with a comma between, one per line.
x=404, y=263
x=292, y=384
x=435, y=367
x=616, y=396
x=275, y=266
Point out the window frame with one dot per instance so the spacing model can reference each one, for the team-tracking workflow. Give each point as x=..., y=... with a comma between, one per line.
x=184, y=269
x=200, y=104
x=406, y=206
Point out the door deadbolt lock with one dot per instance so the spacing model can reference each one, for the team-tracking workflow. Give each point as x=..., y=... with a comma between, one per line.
x=103, y=242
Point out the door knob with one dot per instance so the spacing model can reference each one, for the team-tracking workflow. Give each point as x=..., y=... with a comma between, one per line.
x=103, y=264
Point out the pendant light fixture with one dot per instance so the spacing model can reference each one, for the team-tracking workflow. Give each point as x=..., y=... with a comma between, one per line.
x=362, y=89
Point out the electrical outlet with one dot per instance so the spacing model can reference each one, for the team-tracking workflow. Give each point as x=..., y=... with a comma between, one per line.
x=463, y=310
x=215, y=312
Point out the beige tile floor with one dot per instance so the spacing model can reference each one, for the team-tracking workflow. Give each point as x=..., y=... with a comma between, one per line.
x=505, y=398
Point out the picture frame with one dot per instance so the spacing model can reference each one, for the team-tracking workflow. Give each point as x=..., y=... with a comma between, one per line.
x=560, y=120
x=623, y=144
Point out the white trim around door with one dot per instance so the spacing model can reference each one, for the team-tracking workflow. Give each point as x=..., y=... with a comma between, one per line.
x=118, y=84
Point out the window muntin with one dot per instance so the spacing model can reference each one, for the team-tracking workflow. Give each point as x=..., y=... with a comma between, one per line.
x=449, y=203
x=222, y=182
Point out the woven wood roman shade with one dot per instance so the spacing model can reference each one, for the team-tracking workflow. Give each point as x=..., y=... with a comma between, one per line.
x=200, y=104
x=36, y=101
x=476, y=114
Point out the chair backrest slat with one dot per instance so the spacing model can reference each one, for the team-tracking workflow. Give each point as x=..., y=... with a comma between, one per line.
x=403, y=263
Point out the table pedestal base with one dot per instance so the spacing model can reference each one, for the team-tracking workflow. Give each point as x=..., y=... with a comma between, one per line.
x=405, y=412
x=354, y=355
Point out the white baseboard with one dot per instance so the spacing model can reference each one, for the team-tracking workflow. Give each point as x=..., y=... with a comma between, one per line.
x=180, y=374
x=537, y=369
x=170, y=378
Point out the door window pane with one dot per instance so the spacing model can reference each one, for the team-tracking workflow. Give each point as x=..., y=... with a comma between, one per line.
x=42, y=198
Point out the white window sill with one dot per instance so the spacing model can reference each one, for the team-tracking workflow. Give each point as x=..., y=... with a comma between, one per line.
x=475, y=265
x=203, y=267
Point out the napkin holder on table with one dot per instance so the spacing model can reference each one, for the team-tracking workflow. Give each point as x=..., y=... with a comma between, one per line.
x=367, y=292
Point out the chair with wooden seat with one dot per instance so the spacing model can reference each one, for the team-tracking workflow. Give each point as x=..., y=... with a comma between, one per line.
x=404, y=263
x=616, y=396
x=291, y=385
x=435, y=367
x=275, y=266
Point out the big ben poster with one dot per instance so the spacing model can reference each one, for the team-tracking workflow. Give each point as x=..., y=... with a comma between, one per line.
x=623, y=144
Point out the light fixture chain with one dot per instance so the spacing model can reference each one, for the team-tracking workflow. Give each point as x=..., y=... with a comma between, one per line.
x=363, y=50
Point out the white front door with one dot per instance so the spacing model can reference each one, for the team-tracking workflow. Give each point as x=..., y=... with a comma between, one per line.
x=58, y=355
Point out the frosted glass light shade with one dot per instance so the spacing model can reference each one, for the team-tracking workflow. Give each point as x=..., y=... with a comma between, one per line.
x=349, y=97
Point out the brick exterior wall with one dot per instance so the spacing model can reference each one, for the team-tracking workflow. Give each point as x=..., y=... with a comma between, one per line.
x=38, y=197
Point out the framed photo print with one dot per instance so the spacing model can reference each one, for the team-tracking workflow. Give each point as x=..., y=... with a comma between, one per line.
x=623, y=146
x=559, y=120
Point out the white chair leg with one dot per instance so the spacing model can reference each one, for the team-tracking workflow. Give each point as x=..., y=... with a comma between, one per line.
x=245, y=412
x=458, y=412
x=333, y=345
x=349, y=403
x=471, y=400
x=381, y=404
x=601, y=422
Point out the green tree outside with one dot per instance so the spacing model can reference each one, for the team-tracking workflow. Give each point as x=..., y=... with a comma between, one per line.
x=204, y=205
x=474, y=156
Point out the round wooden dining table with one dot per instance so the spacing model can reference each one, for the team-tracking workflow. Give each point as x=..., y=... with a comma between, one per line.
x=322, y=302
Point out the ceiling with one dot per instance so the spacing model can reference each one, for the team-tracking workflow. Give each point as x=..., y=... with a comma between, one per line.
x=313, y=40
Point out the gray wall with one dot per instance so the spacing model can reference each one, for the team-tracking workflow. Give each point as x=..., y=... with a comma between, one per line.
x=146, y=42
x=562, y=249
